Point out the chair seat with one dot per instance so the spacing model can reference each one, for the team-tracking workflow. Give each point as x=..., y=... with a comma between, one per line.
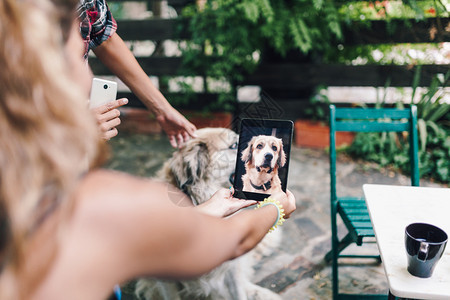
x=356, y=217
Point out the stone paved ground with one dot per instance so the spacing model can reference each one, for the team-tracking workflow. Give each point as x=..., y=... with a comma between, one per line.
x=296, y=270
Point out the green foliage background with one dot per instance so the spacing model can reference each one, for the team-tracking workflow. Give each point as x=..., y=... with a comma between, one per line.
x=392, y=149
x=228, y=36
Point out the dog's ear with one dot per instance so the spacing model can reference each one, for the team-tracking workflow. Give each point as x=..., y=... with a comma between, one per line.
x=189, y=164
x=196, y=160
x=247, y=154
x=282, y=157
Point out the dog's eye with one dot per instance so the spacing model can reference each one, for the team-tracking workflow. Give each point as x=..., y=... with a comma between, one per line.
x=234, y=146
x=274, y=148
x=260, y=146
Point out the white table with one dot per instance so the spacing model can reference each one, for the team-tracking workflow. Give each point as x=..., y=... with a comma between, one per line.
x=391, y=209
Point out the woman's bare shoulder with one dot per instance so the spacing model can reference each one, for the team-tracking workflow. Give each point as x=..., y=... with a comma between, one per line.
x=106, y=176
x=105, y=202
x=109, y=183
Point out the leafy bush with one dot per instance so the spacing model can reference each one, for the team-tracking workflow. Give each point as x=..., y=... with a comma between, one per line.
x=435, y=160
x=434, y=136
x=228, y=36
x=434, y=129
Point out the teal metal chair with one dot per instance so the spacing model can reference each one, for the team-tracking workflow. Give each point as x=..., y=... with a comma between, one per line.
x=353, y=211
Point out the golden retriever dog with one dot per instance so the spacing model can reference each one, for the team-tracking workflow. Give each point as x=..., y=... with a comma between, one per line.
x=204, y=165
x=263, y=157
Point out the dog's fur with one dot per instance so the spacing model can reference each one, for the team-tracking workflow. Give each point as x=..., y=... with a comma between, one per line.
x=263, y=157
x=204, y=165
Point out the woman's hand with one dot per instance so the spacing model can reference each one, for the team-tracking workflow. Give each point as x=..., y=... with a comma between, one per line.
x=108, y=119
x=287, y=200
x=177, y=127
x=223, y=204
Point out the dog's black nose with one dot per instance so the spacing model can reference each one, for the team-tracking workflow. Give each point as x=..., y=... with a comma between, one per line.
x=268, y=156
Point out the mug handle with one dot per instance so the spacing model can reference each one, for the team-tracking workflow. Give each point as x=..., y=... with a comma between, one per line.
x=423, y=251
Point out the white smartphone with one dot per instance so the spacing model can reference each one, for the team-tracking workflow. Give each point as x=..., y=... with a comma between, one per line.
x=102, y=92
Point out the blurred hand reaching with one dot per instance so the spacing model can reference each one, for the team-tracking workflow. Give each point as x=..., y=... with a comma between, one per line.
x=176, y=126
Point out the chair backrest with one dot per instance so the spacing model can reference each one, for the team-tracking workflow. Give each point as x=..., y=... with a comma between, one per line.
x=374, y=120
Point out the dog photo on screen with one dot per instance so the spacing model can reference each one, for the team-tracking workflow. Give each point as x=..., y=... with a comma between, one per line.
x=262, y=158
x=263, y=155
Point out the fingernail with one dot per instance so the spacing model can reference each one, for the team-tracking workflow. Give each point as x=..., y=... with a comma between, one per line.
x=125, y=101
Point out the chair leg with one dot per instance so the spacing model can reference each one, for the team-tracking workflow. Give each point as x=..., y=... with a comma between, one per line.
x=344, y=243
x=334, y=272
x=336, y=248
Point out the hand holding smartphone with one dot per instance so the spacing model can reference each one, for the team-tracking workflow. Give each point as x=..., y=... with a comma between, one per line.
x=102, y=92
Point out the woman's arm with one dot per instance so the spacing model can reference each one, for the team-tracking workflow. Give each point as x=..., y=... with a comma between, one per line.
x=124, y=227
x=115, y=55
x=223, y=204
x=156, y=238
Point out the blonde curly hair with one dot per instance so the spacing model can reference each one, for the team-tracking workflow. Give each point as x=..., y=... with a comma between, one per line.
x=47, y=138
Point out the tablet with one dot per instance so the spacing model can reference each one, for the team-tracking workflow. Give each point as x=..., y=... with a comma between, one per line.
x=262, y=162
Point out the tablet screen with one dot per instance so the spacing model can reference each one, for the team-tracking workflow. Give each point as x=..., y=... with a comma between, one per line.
x=262, y=162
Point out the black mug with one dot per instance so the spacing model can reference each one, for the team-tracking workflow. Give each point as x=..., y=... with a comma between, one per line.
x=425, y=245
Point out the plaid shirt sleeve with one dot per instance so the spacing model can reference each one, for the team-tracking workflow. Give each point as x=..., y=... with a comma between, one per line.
x=96, y=23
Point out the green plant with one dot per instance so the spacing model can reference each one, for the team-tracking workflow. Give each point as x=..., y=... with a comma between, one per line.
x=434, y=128
x=228, y=38
x=434, y=135
x=435, y=160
